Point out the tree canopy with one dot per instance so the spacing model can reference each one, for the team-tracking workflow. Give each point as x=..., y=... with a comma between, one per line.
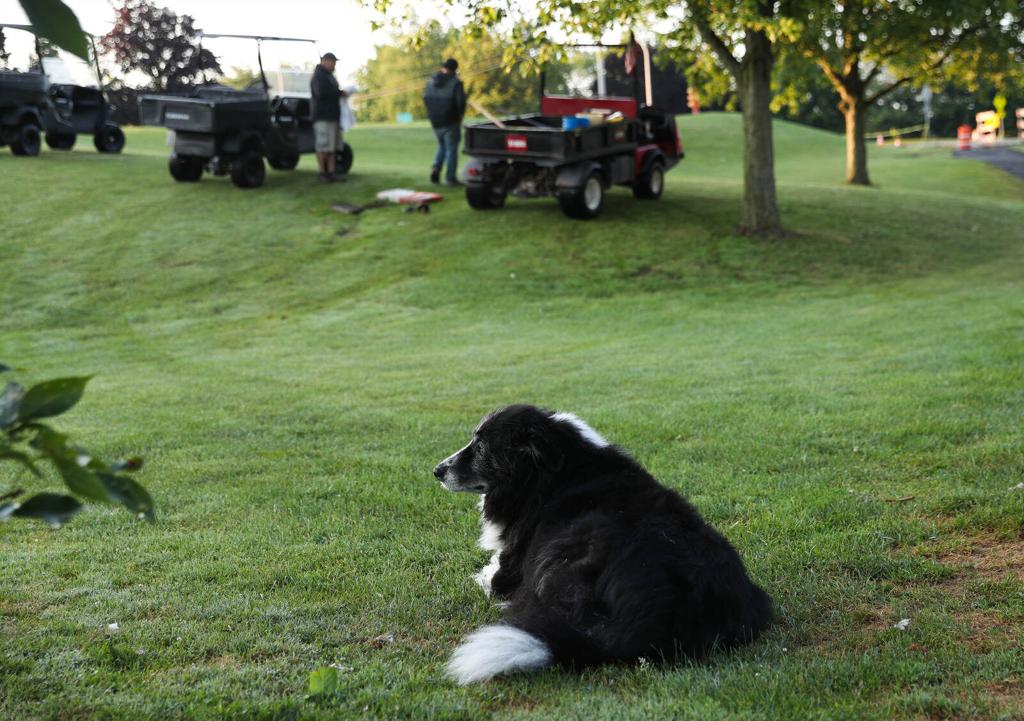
x=158, y=43
x=867, y=49
x=392, y=82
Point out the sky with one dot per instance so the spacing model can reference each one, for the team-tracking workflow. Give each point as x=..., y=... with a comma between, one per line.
x=339, y=26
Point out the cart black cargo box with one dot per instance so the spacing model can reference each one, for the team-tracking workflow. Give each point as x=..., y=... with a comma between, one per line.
x=211, y=111
x=17, y=89
x=541, y=140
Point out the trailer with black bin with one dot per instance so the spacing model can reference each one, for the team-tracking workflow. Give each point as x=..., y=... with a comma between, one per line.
x=579, y=145
x=229, y=131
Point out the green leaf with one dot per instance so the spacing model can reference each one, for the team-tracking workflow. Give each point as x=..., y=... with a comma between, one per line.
x=129, y=494
x=9, y=453
x=81, y=481
x=4, y=368
x=323, y=681
x=51, y=398
x=57, y=23
x=10, y=399
x=53, y=508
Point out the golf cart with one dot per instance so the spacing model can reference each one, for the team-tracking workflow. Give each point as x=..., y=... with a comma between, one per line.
x=227, y=131
x=580, y=144
x=63, y=99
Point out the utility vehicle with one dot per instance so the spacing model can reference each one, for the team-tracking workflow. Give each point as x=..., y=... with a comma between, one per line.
x=59, y=100
x=579, y=145
x=228, y=131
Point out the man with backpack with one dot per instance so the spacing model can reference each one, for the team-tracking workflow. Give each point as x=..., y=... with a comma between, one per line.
x=445, y=98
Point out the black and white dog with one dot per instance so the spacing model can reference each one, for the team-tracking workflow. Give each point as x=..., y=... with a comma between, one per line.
x=594, y=561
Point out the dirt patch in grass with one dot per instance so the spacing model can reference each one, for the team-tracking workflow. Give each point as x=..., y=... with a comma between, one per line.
x=983, y=559
x=1006, y=695
x=988, y=558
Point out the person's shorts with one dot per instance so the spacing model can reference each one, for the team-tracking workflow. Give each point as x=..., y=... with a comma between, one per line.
x=326, y=136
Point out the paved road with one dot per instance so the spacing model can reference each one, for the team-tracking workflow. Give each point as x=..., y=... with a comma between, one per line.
x=1006, y=159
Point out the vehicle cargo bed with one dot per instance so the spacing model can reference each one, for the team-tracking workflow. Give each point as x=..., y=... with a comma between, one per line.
x=220, y=113
x=541, y=140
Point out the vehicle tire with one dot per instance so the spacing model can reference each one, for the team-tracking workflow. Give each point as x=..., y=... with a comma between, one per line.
x=248, y=170
x=343, y=159
x=484, y=196
x=586, y=201
x=186, y=168
x=28, y=140
x=110, y=139
x=650, y=183
x=283, y=162
x=60, y=141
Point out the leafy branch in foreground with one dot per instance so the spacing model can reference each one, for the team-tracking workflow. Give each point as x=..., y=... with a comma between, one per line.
x=25, y=440
x=57, y=23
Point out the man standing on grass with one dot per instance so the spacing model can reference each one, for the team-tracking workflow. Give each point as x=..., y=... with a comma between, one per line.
x=445, y=99
x=326, y=116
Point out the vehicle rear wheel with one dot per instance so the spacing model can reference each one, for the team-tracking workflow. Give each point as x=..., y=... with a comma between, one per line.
x=28, y=140
x=110, y=139
x=248, y=170
x=485, y=196
x=343, y=159
x=185, y=168
x=283, y=162
x=650, y=183
x=584, y=202
x=60, y=141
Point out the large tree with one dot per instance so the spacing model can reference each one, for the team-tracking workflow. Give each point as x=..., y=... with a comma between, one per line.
x=158, y=43
x=867, y=49
x=742, y=35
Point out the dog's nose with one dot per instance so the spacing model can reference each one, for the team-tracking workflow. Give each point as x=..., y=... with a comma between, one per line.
x=439, y=470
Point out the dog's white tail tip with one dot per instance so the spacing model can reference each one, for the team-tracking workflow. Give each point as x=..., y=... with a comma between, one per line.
x=494, y=650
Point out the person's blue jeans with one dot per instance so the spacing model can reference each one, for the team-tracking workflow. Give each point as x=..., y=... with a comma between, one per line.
x=448, y=138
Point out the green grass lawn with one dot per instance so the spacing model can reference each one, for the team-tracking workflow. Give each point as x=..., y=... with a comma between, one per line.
x=292, y=375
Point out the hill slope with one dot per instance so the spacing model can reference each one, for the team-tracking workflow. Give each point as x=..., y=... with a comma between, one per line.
x=291, y=375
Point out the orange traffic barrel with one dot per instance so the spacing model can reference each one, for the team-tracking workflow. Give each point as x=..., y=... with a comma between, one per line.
x=963, y=137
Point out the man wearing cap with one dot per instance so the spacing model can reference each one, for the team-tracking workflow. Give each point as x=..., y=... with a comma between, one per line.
x=326, y=116
x=445, y=99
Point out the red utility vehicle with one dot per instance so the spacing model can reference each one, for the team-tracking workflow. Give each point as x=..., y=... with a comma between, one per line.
x=576, y=147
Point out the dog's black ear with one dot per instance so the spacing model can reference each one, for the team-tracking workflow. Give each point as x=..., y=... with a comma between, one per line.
x=542, y=448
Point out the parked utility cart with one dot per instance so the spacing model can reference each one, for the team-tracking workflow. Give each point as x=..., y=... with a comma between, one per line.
x=576, y=147
x=229, y=132
x=25, y=109
x=61, y=101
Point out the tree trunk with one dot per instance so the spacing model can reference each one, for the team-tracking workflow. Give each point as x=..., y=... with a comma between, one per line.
x=854, y=111
x=760, y=207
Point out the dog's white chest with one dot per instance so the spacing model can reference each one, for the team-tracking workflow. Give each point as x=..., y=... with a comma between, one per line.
x=490, y=540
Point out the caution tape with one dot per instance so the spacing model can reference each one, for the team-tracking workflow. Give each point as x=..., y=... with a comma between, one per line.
x=893, y=132
x=388, y=92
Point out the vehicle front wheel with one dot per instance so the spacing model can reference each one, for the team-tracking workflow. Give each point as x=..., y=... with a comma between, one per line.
x=485, y=196
x=343, y=159
x=584, y=202
x=248, y=171
x=185, y=168
x=28, y=141
x=650, y=183
x=60, y=141
x=110, y=139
